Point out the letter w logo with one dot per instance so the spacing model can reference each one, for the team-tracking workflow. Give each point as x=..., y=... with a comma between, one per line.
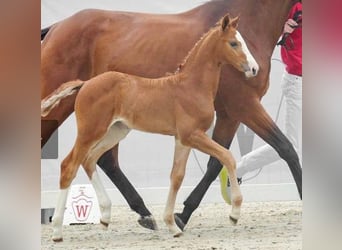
x=81, y=209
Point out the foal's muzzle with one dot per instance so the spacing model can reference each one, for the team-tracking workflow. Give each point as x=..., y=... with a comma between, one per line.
x=250, y=71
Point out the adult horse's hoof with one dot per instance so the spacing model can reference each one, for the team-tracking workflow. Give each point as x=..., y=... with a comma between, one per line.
x=148, y=222
x=179, y=221
x=233, y=220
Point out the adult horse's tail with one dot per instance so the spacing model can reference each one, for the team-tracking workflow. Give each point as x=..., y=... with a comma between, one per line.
x=52, y=100
x=43, y=32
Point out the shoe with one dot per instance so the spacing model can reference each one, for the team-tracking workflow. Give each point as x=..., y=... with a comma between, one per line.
x=225, y=185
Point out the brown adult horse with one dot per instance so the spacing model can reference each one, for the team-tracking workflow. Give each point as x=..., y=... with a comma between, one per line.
x=94, y=41
x=180, y=105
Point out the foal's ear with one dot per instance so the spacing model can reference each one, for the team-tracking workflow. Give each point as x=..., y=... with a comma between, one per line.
x=234, y=22
x=225, y=22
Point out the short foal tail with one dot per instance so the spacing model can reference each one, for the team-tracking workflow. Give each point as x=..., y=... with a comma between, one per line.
x=52, y=100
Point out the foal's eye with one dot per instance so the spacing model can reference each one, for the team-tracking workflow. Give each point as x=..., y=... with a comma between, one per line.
x=233, y=44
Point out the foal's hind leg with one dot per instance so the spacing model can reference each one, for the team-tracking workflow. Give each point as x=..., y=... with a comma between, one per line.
x=202, y=142
x=69, y=169
x=115, y=133
x=181, y=156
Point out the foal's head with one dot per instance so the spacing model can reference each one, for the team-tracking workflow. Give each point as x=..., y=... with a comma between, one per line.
x=233, y=49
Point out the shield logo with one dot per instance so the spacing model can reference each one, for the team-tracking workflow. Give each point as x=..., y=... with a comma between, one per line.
x=81, y=208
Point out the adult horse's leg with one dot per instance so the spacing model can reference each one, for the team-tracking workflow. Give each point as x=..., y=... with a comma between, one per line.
x=224, y=131
x=108, y=162
x=261, y=123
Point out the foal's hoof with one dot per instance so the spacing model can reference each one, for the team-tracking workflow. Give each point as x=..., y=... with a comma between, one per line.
x=104, y=224
x=233, y=220
x=176, y=235
x=179, y=222
x=148, y=222
x=57, y=239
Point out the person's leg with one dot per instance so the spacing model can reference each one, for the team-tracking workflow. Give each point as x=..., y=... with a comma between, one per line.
x=256, y=159
x=292, y=89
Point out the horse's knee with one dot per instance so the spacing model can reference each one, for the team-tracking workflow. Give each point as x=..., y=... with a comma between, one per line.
x=287, y=152
x=105, y=160
x=230, y=161
x=213, y=169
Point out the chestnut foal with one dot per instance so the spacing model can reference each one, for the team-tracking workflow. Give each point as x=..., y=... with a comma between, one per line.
x=109, y=105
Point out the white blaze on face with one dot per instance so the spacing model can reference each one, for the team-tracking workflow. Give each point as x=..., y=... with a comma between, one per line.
x=253, y=65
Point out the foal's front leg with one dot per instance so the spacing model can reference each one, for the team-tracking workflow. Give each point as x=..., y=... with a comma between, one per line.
x=181, y=156
x=202, y=142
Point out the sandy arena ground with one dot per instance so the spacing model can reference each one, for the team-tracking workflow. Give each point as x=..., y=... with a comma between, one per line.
x=263, y=225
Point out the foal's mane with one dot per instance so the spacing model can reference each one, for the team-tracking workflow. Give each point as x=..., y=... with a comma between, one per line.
x=181, y=65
